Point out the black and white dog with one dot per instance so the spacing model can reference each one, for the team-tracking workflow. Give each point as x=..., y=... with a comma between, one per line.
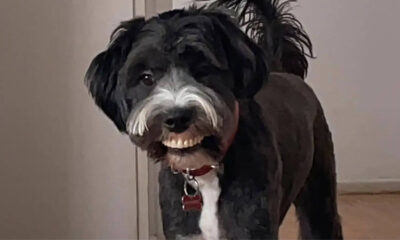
x=217, y=95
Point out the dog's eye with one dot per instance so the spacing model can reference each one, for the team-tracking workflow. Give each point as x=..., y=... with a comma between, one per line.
x=147, y=78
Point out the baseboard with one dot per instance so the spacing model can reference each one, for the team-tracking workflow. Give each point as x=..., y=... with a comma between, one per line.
x=370, y=186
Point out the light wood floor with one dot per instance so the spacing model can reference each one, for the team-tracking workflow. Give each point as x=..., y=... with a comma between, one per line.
x=363, y=217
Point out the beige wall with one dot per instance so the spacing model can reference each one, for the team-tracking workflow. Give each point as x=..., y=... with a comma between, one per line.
x=65, y=172
x=176, y=4
x=357, y=78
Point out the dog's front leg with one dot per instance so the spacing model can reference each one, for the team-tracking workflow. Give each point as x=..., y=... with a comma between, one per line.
x=249, y=212
x=251, y=182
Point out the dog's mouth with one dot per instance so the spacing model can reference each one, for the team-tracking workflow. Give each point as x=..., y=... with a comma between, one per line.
x=185, y=150
x=185, y=143
x=182, y=142
x=192, y=148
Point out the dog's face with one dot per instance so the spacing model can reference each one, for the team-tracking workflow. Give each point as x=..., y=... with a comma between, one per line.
x=171, y=83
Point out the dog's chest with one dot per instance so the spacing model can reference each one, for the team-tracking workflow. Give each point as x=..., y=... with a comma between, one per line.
x=210, y=191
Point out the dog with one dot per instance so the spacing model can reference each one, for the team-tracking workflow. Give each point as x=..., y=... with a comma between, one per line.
x=217, y=96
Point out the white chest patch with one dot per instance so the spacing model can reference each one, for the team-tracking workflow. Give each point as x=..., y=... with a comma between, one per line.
x=210, y=191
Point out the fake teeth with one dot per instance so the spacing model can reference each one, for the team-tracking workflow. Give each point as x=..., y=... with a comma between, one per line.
x=181, y=144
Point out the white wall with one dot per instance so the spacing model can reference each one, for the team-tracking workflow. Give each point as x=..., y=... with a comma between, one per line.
x=181, y=3
x=65, y=171
x=356, y=76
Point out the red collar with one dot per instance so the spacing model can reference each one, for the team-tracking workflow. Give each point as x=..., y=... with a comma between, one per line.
x=207, y=168
x=236, y=124
x=199, y=171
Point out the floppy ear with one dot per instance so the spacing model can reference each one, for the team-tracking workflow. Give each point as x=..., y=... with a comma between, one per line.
x=102, y=75
x=246, y=59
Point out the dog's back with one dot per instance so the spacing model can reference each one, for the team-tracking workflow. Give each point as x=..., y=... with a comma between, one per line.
x=293, y=116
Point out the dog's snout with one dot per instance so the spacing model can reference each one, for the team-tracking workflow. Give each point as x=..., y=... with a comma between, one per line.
x=178, y=120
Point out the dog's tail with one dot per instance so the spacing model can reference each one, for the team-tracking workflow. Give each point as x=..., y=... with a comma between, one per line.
x=277, y=31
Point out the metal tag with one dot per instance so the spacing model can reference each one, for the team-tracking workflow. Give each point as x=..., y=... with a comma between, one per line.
x=191, y=202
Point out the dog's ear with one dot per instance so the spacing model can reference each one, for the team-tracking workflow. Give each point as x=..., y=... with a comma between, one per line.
x=246, y=59
x=102, y=75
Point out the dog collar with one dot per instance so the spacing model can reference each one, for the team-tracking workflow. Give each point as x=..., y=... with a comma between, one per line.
x=236, y=124
x=199, y=171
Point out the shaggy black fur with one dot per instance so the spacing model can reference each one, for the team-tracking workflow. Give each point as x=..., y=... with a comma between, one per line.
x=272, y=26
x=282, y=152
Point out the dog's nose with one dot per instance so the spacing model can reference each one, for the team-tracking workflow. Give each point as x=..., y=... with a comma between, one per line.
x=178, y=120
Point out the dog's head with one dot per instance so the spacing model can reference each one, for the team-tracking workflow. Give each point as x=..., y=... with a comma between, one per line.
x=172, y=83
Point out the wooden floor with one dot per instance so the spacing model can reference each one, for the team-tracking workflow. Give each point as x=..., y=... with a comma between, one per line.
x=363, y=217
